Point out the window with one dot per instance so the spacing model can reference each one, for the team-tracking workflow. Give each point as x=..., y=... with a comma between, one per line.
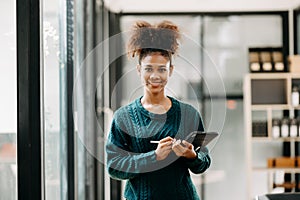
x=8, y=101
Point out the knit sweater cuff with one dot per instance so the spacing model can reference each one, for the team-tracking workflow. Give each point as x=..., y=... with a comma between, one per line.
x=201, y=156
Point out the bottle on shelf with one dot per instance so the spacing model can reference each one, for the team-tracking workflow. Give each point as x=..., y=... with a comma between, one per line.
x=279, y=66
x=295, y=96
x=297, y=117
x=267, y=66
x=297, y=179
x=286, y=149
x=277, y=58
x=265, y=57
x=285, y=122
x=288, y=182
x=297, y=150
x=254, y=60
x=276, y=128
x=294, y=128
x=255, y=67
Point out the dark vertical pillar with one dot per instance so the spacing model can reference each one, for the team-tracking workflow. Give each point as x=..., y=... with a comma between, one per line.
x=29, y=100
x=70, y=85
x=285, y=37
x=296, y=30
x=114, y=75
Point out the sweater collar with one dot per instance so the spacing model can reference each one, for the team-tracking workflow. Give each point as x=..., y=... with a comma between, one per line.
x=175, y=105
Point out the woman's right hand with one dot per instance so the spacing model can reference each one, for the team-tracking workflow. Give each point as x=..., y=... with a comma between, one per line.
x=164, y=148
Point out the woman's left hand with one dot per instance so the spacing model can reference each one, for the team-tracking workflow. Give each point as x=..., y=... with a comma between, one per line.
x=184, y=149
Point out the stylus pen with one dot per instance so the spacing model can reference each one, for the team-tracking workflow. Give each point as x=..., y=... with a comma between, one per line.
x=154, y=142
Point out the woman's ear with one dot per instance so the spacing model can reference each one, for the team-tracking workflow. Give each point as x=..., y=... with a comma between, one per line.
x=171, y=70
x=138, y=69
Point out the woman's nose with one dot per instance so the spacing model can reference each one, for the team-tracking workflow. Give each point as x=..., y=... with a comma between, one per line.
x=154, y=75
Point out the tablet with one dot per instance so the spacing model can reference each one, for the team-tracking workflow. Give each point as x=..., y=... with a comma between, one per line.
x=201, y=139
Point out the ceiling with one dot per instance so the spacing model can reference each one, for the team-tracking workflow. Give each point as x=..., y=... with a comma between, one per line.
x=142, y=6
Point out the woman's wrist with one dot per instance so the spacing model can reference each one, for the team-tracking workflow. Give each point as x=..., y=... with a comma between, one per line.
x=193, y=155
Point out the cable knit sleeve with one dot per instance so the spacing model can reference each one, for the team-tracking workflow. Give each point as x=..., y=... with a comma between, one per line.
x=201, y=163
x=121, y=162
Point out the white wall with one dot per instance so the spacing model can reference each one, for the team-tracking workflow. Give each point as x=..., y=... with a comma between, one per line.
x=8, y=72
x=199, y=5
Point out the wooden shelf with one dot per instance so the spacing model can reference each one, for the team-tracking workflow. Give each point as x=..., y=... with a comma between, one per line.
x=295, y=75
x=283, y=75
x=287, y=185
x=272, y=107
x=265, y=169
x=270, y=139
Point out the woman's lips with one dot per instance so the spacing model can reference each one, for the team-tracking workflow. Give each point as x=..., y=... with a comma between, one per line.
x=155, y=84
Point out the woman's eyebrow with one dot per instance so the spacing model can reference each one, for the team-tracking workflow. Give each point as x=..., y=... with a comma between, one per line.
x=148, y=65
x=154, y=64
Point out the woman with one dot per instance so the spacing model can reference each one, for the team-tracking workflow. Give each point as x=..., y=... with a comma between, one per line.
x=155, y=171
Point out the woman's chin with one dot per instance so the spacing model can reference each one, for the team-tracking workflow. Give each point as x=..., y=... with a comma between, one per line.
x=155, y=90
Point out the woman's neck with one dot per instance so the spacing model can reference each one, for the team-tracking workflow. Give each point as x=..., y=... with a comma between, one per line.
x=156, y=103
x=151, y=98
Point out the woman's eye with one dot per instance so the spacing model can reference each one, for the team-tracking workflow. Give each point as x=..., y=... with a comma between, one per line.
x=162, y=70
x=148, y=69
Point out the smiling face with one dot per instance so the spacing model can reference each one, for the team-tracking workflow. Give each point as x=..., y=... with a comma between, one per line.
x=155, y=70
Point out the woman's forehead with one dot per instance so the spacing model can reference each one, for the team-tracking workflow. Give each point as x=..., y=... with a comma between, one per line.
x=155, y=64
x=156, y=59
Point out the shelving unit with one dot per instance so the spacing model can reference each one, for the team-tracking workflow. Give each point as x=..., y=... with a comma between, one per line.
x=264, y=94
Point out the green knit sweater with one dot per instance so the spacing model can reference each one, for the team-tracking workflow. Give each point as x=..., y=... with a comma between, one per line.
x=131, y=156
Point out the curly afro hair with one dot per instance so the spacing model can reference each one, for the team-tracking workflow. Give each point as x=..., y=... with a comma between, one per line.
x=147, y=38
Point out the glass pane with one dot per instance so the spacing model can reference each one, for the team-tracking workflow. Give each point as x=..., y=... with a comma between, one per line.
x=88, y=95
x=54, y=164
x=8, y=101
x=227, y=172
x=226, y=41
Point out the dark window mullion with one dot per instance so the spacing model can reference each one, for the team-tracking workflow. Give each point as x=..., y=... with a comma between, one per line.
x=70, y=85
x=29, y=100
x=115, y=72
x=296, y=31
x=285, y=36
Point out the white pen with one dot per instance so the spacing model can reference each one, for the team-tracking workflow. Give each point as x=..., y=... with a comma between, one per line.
x=154, y=142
